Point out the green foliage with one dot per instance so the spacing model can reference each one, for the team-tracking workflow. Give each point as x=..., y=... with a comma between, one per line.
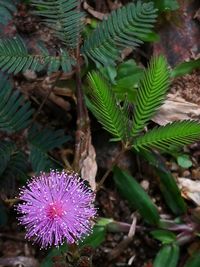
x=168, y=256
x=166, y=237
x=185, y=68
x=41, y=142
x=184, y=161
x=151, y=93
x=166, y=182
x=170, y=137
x=166, y=5
x=15, y=112
x=56, y=251
x=136, y=196
x=17, y=166
x=104, y=106
x=6, y=149
x=127, y=79
x=98, y=235
x=15, y=58
x=13, y=162
x=125, y=27
x=128, y=26
x=63, y=17
x=6, y=9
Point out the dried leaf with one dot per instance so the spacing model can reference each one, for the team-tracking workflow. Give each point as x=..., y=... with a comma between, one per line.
x=190, y=189
x=176, y=108
x=92, y=12
x=89, y=166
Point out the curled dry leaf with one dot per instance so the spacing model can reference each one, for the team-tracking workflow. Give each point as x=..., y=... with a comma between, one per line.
x=89, y=166
x=92, y=12
x=190, y=189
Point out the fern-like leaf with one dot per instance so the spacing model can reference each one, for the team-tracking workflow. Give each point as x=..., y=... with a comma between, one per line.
x=6, y=149
x=104, y=106
x=125, y=27
x=41, y=142
x=151, y=93
x=15, y=112
x=6, y=9
x=40, y=161
x=17, y=166
x=63, y=17
x=14, y=58
x=13, y=163
x=169, y=137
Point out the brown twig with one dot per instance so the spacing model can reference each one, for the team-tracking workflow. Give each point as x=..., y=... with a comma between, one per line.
x=83, y=128
x=46, y=97
x=114, y=162
x=125, y=242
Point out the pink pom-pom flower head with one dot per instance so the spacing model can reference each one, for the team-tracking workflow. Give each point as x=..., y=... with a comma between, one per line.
x=56, y=207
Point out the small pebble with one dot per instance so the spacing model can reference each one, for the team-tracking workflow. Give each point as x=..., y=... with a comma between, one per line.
x=30, y=75
x=145, y=185
x=186, y=173
x=174, y=166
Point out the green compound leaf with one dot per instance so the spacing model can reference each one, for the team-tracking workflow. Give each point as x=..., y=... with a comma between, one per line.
x=103, y=105
x=124, y=27
x=185, y=68
x=98, y=235
x=6, y=149
x=40, y=161
x=15, y=112
x=151, y=93
x=169, y=137
x=127, y=79
x=6, y=9
x=136, y=196
x=166, y=237
x=41, y=142
x=166, y=182
x=13, y=162
x=166, y=5
x=167, y=257
x=17, y=166
x=14, y=58
x=63, y=17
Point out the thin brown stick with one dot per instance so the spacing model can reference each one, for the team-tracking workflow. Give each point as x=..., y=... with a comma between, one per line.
x=124, y=243
x=114, y=162
x=46, y=97
x=81, y=115
x=83, y=128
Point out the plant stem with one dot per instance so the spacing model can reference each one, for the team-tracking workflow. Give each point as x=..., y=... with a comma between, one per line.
x=83, y=126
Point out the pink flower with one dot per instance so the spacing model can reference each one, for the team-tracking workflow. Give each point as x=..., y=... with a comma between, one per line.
x=56, y=207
